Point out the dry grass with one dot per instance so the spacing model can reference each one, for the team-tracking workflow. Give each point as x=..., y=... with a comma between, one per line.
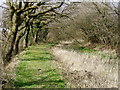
x=1, y=72
x=86, y=70
x=9, y=74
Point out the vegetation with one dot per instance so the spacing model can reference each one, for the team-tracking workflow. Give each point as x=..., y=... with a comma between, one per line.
x=85, y=69
x=85, y=28
x=96, y=24
x=36, y=69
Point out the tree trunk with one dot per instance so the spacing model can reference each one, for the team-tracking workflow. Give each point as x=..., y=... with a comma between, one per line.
x=17, y=43
x=36, y=36
x=118, y=46
x=27, y=37
x=9, y=54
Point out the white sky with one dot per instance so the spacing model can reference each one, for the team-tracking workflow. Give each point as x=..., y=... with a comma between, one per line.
x=94, y=0
x=1, y=2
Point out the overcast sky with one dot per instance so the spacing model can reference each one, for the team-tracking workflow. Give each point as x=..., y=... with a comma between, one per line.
x=1, y=2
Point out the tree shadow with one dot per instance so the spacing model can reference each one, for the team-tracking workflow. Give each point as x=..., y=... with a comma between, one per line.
x=36, y=58
x=46, y=71
x=44, y=81
x=45, y=53
x=29, y=53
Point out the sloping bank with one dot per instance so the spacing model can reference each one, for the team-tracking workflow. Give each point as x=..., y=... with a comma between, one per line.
x=36, y=70
x=87, y=70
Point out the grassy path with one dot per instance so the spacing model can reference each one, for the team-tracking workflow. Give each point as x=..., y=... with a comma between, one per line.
x=36, y=70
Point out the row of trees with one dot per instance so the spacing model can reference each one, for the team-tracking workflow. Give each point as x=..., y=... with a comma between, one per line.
x=91, y=22
x=24, y=24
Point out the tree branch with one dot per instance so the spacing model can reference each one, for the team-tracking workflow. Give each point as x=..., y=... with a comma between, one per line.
x=4, y=7
x=51, y=9
x=31, y=7
x=115, y=10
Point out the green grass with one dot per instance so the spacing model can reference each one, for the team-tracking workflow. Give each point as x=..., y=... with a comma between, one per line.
x=36, y=69
x=97, y=52
x=81, y=49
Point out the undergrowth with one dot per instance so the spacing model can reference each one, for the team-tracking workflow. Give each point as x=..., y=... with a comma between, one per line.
x=93, y=51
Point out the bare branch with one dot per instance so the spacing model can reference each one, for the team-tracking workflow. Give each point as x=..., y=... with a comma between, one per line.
x=4, y=7
x=60, y=14
x=115, y=10
x=51, y=9
x=31, y=7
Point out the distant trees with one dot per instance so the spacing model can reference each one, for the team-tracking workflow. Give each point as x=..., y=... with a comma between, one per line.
x=91, y=22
